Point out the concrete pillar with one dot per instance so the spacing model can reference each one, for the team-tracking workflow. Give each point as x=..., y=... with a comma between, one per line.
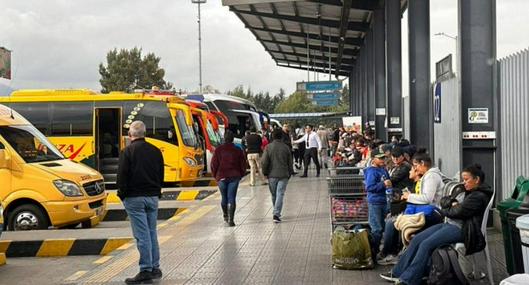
x=394, y=67
x=379, y=53
x=479, y=100
x=421, y=123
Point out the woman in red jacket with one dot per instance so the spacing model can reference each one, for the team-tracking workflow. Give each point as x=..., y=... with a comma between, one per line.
x=228, y=166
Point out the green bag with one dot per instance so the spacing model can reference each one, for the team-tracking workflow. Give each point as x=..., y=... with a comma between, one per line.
x=351, y=249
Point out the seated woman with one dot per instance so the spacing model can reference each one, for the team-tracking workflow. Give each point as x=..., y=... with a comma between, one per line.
x=413, y=264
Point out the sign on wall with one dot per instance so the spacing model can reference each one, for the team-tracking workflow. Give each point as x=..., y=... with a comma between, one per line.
x=437, y=103
x=478, y=115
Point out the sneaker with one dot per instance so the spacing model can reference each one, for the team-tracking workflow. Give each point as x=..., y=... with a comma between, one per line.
x=156, y=273
x=389, y=277
x=303, y=176
x=144, y=277
x=277, y=219
x=388, y=260
x=400, y=282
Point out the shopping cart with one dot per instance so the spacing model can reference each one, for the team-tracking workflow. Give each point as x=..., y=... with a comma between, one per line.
x=347, y=197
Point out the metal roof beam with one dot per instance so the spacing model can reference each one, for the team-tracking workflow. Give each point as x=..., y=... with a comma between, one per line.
x=312, y=47
x=348, y=41
x=317, y=64
x=344, y=19
x=301, y=55
x=320, y=70
x=352, y=26
x=368, y=5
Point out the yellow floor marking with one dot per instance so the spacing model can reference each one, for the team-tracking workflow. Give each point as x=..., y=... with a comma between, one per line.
x=187, y=195
x=126, y=246
x=4, y=245
x=113, y=198
x=2, y=258
x=198, y=214
x=119, y=264
x=76, y=276
x=103, y=259
x=114, y=243
x=162, y=225
x=52, y=247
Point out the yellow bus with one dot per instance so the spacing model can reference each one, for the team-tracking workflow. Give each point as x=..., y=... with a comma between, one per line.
x=40, y=187
x=92, y=128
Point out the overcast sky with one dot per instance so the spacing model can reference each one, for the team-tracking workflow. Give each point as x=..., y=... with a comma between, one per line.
x=60, y=43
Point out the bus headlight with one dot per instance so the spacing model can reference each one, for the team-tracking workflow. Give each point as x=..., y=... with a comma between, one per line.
x=68, y=188
x=190, y=161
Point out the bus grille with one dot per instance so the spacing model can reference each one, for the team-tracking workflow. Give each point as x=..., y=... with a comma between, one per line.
x=94, y=188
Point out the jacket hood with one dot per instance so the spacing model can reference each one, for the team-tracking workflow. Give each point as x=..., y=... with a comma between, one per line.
x=485, y=188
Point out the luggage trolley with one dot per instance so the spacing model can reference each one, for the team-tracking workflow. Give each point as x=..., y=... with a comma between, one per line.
x=347, y=197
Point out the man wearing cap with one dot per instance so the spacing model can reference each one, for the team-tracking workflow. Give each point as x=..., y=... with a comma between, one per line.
x=324, y=138
x=376, y=179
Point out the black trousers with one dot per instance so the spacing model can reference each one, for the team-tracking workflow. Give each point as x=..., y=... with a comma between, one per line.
x=311, y=153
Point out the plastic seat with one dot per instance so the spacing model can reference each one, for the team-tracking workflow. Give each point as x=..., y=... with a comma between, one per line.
x=460, y=247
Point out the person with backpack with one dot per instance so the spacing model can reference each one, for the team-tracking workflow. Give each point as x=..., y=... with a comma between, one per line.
x=463, y=225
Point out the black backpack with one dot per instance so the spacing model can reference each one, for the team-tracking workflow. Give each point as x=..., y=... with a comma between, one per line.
x=445, y=269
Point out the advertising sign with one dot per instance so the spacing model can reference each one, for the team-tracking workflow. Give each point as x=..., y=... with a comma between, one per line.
x=326, y=96
x=354, y=123
x=5, y=63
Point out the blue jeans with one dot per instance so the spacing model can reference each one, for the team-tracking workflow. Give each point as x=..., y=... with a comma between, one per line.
x=143, y=213
x=391, y=238
x=377, y=213
x=277, y=187
x=413, y=264
x=228, y=190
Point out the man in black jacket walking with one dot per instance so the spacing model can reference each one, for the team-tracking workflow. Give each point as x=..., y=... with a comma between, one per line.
x=140, y=180
x=277, y=165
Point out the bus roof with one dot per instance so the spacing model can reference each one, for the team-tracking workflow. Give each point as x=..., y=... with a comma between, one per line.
x=213, y=97
x=69, y=95
x=10, y=117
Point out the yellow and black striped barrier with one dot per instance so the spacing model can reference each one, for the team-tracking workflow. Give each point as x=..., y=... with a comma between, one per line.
x=114, y=215
x=203, y=182
x=62, y=247
x=184, y=195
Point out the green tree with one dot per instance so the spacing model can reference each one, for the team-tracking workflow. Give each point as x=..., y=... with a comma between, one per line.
x=126, y=70
x=296, y=103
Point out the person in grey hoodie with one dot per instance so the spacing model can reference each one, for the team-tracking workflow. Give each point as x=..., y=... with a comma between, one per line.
x=277, y=166
x=431, y=183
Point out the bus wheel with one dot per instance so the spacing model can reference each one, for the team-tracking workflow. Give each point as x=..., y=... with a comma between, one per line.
x=27, y=217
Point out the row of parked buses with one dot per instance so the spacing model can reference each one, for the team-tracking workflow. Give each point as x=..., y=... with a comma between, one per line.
x=59, y=149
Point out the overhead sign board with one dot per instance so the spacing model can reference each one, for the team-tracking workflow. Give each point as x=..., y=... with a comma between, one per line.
x=322, y=86
x=326, y=96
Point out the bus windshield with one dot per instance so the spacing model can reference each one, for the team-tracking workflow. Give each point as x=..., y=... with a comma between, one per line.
x=214, y=137
x=30, y=144
x=187, y=133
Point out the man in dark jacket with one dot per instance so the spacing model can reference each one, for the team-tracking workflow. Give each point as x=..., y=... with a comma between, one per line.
x=277, y=165
x=140, y=180
x=253, y=153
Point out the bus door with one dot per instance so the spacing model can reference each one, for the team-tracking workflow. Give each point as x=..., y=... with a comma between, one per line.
x=108, y=142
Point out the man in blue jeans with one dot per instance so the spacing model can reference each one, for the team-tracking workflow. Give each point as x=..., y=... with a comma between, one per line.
x=140, y=180
x=277, y=166
x=376, y=179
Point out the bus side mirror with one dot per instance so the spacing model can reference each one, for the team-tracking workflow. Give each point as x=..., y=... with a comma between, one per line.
x=4, y=161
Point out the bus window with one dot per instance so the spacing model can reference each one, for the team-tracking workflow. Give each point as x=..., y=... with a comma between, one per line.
x=37, y=113
x=213, y=136
x=186, y=131
x=71, y=119
x=156, y=117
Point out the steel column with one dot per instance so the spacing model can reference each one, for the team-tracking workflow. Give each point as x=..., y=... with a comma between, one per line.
x=365, y=85
x=394, y=67
x=379, y=52
x=351, y=93
x=477, y=35
x=370, y=77
x=421, y=119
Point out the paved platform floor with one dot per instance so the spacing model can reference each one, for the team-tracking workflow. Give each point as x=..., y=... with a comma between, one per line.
x=199, y=249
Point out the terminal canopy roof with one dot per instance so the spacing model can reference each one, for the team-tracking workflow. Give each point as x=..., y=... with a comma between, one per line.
x=318, y=35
